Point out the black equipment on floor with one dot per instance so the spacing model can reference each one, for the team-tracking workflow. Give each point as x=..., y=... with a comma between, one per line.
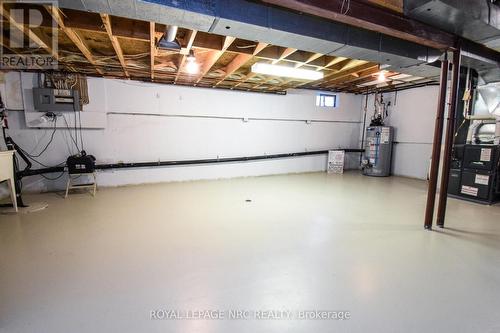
x=475, y=173
x=81, y=163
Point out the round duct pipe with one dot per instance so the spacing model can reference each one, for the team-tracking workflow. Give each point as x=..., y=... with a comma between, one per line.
x=170, y=33
x=168, y=40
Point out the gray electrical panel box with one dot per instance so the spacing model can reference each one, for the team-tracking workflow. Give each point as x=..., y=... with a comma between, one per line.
x=48, y=99
x=377, y=158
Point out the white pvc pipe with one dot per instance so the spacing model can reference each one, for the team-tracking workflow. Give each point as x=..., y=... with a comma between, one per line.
x=480, y=117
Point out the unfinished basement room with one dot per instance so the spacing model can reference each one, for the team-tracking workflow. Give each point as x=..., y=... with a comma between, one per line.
x=249, y=166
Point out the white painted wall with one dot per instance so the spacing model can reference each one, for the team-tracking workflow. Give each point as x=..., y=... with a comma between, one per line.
x=412, y=113
x=149, y=122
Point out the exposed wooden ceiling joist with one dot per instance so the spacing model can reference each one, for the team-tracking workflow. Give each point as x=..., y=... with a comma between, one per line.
x=73, y=36
x=240, y=60
x=26, y=30
x=285, y=53
x=152, y=48
x=213, y=56
x=353, y=78
x=106, y=45
x=114, y=41
x=345, y=72
x=185, y=52
x=311, y=58
x=234, y=65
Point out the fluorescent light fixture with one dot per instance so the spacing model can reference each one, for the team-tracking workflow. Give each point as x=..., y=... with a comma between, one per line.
x=285, y=71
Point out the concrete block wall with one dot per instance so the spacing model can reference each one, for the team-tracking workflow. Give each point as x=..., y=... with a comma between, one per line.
x=133, y=121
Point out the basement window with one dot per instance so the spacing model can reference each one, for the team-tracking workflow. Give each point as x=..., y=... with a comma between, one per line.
x=326, y=100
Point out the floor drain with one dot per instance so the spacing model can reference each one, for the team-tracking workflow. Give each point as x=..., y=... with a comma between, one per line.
x=248, y=200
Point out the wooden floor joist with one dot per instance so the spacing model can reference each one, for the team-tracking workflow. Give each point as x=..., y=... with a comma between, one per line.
x=114, y=41
x=239, y=61
x=152, y=48
x=213, y=57
x=127, y=48
x=185, y=52
x=74, y=37
x=25, y=29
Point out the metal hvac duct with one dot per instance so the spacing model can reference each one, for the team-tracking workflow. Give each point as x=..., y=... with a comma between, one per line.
x=168, y=40
x=476, y=20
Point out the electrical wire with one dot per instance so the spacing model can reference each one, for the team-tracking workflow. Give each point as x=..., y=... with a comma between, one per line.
x=56, y=178
x=80, y=125
x=344, y=2
x=75, y=122
x=70, y=134
x=38, y=162
x=48, y=143
x=33, y=157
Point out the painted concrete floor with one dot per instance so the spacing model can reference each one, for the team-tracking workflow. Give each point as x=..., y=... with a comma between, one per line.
x=304, y=242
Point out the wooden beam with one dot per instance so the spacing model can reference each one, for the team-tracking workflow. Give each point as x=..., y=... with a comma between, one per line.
x=268, y=80
x=392, y=87
x=152, y=47
x=28, y=32
x=395, y=5
x=227, y=41
x=245, y=79
x=358, y=76
x=234, y=65
x=213, y=56
x=334, y=61
x=239, y=61
x=373, y=18
x=114, y=41
x=260, y=46
x=189, y=42
x=353, y=85
x=313, y=57
x=344, y=71
x=73, y=36
x=286, y=52
x=185, y=52
x=310, y=59
x=6, y=42
x=336, y=66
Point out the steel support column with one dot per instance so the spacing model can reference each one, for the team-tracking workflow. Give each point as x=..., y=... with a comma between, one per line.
x=436, y=146
x=450, y=134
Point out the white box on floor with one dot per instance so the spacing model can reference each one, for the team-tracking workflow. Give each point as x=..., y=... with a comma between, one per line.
x=336, y=161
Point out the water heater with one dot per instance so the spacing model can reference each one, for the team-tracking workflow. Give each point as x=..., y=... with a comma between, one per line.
x=377, y=157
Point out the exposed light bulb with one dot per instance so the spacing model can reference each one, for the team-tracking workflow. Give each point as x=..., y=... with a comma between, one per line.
x=191, y=57
x=381, y=76
x=192, y=67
